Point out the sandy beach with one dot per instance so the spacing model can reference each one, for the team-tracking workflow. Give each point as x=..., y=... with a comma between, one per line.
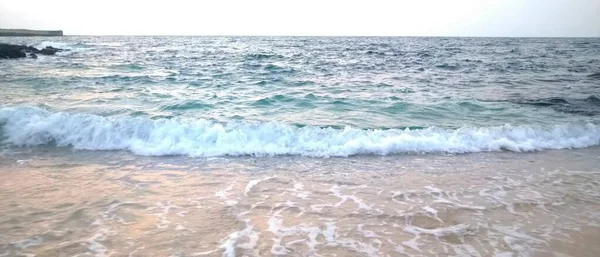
x=117, y=204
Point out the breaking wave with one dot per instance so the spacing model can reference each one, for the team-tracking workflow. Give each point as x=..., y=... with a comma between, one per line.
x=70, y=48
x=30, y=126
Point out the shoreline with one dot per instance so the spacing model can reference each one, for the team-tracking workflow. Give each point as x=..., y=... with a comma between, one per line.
x=488, y=203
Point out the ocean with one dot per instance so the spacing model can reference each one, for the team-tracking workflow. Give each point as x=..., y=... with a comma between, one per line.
x=301, y=146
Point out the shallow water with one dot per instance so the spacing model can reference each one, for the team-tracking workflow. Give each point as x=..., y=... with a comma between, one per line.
x=491, y=204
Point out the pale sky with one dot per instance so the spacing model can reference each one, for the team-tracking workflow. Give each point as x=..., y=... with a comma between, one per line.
x=545, y=18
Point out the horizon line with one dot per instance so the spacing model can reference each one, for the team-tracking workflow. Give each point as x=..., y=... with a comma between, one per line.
x=283, y=35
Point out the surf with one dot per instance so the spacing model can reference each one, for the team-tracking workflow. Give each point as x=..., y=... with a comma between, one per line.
x=32, y=126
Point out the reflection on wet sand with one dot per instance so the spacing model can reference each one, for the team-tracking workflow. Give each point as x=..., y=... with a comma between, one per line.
x=505, y=204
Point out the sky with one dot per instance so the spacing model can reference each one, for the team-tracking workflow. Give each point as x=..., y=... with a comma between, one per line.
x=484, y=18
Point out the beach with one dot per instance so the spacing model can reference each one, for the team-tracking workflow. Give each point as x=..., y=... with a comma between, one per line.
x=491, y=204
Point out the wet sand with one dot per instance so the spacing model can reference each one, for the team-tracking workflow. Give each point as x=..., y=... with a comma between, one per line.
x=115, y=204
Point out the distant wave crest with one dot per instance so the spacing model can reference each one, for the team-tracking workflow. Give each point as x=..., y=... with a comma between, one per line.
x=71, y=48
x=30, y=126
x=589, y=106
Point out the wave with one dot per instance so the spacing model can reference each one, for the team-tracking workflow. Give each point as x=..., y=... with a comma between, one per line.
x=31, y=126
x=594, y=75
x=70, y=47
x=187, y=105
x=62, y=45
x=260, y=56
x=589, y=106
x=79, y=44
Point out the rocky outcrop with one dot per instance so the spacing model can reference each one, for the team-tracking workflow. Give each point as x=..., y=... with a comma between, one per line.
x=8, y=51
x=11, y=51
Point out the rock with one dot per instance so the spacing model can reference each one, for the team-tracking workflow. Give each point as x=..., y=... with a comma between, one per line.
x=33, y=55
x=33, y=50
x=8, y=51
x=49, y=50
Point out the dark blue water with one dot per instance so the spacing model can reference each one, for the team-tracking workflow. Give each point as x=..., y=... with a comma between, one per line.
x=209, y=96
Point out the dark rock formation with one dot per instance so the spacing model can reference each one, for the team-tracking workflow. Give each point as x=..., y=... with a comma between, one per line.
x=8, y=51
x=11, y=51
x=32, y=49
x=49, y=50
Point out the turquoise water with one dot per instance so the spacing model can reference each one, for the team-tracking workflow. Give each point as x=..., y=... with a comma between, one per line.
x=213, y=96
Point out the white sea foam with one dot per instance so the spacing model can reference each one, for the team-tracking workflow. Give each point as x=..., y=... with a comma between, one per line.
x=95, y=245
x=255, y=182
x=62, y=45
x=459, y=229
x=33, y=126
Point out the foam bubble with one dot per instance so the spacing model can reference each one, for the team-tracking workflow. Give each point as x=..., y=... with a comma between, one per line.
x=253, y=183
x=29, y=126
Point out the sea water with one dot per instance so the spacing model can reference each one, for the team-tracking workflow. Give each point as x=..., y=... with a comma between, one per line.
x=301, y=146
